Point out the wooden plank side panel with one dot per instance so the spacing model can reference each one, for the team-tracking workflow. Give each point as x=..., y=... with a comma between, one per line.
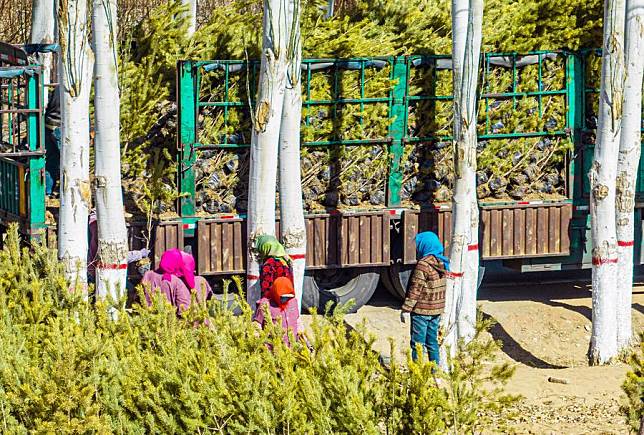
x=216, y=248
x=320, y=241
x=364, y=244
x=227, y=246
x=203, y=248
x=410, y=229
x=542, y=230
x=159, y=245
x=508, y=232
x=554, y=230
x=376, y=223
x=343, y=240
x=495, y=235
x=564, y=231
x=384, y=240
x=333, y=243
x=519, y=231
x=531, y=229
x=310, y=241
x=239, y=251
x=445, y=233
x=354, y=239
x=486, y=232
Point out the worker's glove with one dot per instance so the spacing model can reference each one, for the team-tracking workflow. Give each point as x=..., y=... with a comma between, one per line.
x=405, y=317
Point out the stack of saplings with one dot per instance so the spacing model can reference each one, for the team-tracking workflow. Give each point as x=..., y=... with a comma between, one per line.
x=348, y=175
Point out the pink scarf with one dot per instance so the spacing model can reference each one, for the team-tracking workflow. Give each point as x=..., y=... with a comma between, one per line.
x=172, y=263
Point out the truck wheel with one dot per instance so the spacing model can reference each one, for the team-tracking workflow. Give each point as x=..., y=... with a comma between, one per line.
x=395, y=279
x=338, y=287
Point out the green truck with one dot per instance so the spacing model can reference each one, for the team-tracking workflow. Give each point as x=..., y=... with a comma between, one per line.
x=376, y=165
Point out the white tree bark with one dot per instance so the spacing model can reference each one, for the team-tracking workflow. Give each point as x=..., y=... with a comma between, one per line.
x=265, y=138
x=293, y=230
x=43, y=28
x=460, y=318
x=75, y=194
x=467, y=141
x=111, y=269
x=602, y=175
x=627, y=164
x=191, y=15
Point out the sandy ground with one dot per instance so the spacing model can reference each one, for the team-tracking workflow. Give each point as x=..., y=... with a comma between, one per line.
x=544, y=331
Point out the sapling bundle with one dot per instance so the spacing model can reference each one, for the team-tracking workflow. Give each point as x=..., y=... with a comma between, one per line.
x=336, y=171
x=509, y=167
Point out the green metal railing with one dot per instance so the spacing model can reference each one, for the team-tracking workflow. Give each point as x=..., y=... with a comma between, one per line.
x=591, y=74
x=22, y=160
x=197, y=101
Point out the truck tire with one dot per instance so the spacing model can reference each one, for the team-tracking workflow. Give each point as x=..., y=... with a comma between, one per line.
x=395, y=279
x=338, y=287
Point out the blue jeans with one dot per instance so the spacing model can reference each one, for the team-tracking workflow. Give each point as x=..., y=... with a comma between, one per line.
x=424, y=331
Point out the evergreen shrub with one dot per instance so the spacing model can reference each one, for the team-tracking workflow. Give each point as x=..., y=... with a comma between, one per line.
x=65, y=367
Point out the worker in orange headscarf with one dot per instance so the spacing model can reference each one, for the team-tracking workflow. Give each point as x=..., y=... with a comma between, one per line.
x=281, y=305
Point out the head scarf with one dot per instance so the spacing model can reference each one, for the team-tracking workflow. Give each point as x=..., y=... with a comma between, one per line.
x=189, y=268
x=172, y=263
x=428, y=243
x=269, y=246
x=282, y=286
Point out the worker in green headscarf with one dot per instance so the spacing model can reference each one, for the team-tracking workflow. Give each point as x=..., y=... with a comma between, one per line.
x=275, y=262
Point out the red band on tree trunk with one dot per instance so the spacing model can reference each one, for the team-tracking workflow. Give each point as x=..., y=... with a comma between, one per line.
x=252, y=277
x=599, y=261
x=111, y=266
x=624, y=243
x=297, y=256
x=473, y=247
x=454, y=274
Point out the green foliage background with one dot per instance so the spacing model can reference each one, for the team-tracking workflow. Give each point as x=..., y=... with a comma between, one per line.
x=66, y=368
x=361, y=28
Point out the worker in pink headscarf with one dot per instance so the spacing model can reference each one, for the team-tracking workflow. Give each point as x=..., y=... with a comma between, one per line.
x=176, y=280
x=172, y=279
x=201, y=286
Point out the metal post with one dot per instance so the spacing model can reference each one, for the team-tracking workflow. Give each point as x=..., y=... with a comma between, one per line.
x=36, y=131
x=397, y=130
x=186, y=93
x=574, y=122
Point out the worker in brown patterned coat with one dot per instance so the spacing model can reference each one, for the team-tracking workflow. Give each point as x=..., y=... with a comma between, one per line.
x=425, y=298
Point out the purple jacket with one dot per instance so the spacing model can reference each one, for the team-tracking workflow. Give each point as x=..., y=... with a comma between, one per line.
x=290, y=317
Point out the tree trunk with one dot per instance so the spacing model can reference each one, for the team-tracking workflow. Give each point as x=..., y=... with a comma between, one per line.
x=75, y=194
x=602, y=176
x=627, y=164
x=191, y=14
x=111, y=270
x=460, y=321
x=290, y=181
x=466, y=141
x=43, y=28
x=265, y=138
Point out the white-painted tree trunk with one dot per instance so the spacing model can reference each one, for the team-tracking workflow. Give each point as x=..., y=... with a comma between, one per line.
x=460, y=312
x=627, y=164
x=111, y=269
x=602, y=175
x=265, y=138
x=75, y=70
x=191, y=15
x=292, y=225
x=467, y=141
x=43, y=28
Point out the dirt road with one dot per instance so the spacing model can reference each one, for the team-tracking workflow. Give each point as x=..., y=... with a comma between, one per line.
x=544, y=330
